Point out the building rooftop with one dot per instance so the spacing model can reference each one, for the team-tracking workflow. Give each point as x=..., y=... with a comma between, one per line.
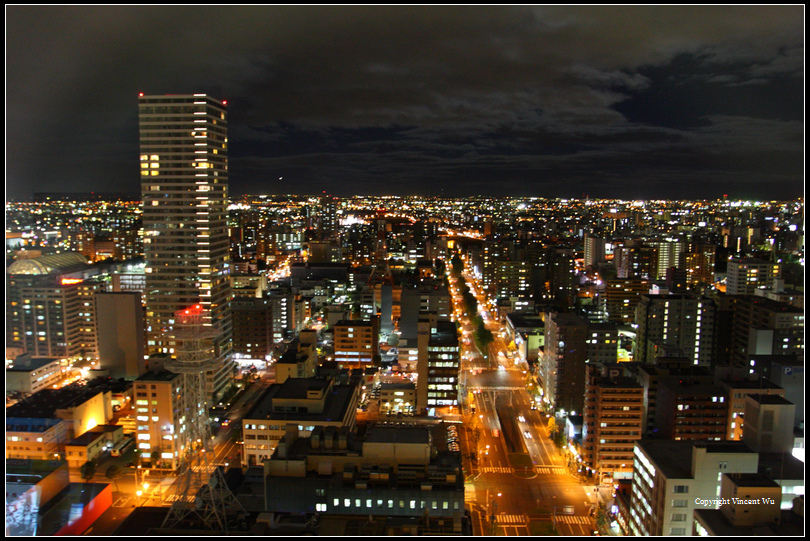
x=398, y=385
x=298, y=387
x=567, y=320
x=27, y=364
x=445, y=335
x=621, y=382
x=759, y=383
x=87, y=438
x=674, y=458
x=752, y=480
x=716, y=522
x=782, y=466
x=336, y=402
x=353, y=323
x=769, y=398
x=43, y=404
x=520, y=321
x=50, y=264
x=21, y=424
x=163, y=375
x=381, y=434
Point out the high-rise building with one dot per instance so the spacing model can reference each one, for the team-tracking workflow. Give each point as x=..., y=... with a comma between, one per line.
x=160, y=417
x=119, y=330
x=49, y=310
x=698, y=264
x=682, y=321
x=669, y=251
x=594, y=250
x=614, y=408
x=746, y=275
x=184, y=183
x=563, y=368
x=621, y=299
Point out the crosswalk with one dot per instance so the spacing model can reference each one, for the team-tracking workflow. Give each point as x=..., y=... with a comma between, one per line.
x=175, y=498
x=496, y=469
x=505, y=518
x=558, y=471
x=570, y=519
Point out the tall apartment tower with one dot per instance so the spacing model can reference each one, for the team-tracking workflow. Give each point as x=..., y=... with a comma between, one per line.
x=681, y=321
x=184, y=184
x=594, y=250
x=746, y=275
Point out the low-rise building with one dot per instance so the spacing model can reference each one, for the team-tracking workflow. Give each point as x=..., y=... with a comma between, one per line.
x=667, y=487
x=304, y=403
x=301, y=358
x=397, y=397
x=750, y=505
x=84, y=407
x=28, y=374
x=392, y=472
x=36, y=438
x=85, y=448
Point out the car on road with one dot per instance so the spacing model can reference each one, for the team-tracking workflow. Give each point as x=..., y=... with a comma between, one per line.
x=527, y=434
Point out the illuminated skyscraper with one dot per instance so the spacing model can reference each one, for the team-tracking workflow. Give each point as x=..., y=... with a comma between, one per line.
x=184, y=183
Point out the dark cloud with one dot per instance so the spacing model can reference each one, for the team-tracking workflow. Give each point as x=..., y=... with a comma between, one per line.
x=660, y=101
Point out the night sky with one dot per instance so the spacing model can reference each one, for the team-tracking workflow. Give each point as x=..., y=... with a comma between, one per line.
x=609, y=102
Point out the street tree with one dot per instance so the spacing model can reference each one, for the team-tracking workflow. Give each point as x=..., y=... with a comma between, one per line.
x=112, y=474
x=88, y=471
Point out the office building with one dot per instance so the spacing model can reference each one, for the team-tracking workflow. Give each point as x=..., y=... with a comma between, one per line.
x=301, y=358
x=763, y=326
x=442, y=365
x=82, y=407
x=751, y=506
x=184, y=184
x=49, y=310
x=698, y=264
x=36, y=438
x=737, y=389
x=260, y=324
x=669, y=251
x=636, y=260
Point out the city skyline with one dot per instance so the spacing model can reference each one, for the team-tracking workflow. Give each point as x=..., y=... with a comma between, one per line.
x=684, y=102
